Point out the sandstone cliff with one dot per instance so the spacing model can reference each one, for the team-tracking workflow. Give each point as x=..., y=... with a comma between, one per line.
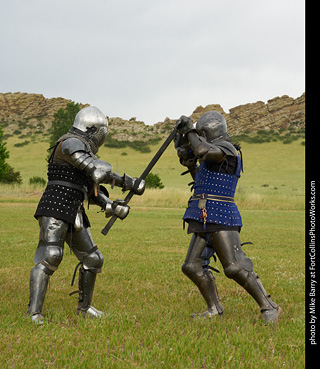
x=29, y=112
x=279, y=112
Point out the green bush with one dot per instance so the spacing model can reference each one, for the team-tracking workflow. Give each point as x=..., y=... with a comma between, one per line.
x=7, y=173
x=142, y=146
x=37, y=181
x=153, y=181
x=262, y=136
x=21, y=144
x=111, y=142
x=12, y=177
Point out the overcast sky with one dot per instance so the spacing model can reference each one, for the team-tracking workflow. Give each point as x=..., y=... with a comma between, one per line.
x=153, y=59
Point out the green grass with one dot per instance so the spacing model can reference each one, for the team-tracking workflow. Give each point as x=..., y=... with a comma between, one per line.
x=148, y=300
x=273, y=174
x=146, y=297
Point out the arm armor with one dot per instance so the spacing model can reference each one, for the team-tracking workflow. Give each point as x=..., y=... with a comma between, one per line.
x=101, y=172
x=204, y=150
x=118, y=207
x=98, y=170
x=103, y=201
x=185, y=154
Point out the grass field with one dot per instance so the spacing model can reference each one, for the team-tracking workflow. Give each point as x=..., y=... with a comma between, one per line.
x=146, y=297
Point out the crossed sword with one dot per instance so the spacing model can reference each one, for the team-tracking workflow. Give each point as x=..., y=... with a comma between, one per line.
x=143, y=176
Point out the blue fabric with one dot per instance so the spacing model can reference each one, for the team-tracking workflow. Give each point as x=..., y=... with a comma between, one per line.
x=217, y=184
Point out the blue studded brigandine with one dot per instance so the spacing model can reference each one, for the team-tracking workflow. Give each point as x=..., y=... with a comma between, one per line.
x=214, y=163
x=213, y=197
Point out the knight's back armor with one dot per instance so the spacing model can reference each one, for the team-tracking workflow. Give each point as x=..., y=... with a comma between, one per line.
x=66, y=188
x=213, y=197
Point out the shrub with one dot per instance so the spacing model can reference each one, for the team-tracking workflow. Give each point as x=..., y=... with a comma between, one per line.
x=153, y=181
x=142, y=146
x=62, y=121
x=111, y=142
x=21, y=144
x=7, y=173
x=37, y=181
x=12, y=177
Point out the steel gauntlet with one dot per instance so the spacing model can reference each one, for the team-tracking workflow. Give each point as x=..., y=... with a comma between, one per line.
x=119, y=209
x=110, y=208
x=133, y=184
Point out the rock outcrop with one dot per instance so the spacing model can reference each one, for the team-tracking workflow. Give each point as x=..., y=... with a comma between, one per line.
x=277, y=113
x=27, y=112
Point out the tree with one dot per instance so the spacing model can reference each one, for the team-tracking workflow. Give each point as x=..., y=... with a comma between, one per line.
x=7, y=173
x=63, y=121
x=4, y=154
x=153, y=181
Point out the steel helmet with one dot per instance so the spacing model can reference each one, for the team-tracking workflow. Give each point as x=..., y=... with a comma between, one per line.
x=212, y=125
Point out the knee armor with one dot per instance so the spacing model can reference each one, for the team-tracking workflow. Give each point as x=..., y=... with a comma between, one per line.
x=51, y=259
x=93, y=262
x=84, y=248
x=240, y=267
x=192, y=267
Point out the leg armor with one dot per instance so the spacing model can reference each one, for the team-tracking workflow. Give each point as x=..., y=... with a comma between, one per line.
x=205, y=282
x=47, y=259
x=91, y=260
x=239, y=267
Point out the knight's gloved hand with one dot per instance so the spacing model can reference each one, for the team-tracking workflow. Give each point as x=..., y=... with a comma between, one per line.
x=138, y=186
x=184, y=151
x=120, y=209
x=184, y=124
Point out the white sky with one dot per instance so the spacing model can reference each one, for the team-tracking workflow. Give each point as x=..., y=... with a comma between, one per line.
x=153, y=59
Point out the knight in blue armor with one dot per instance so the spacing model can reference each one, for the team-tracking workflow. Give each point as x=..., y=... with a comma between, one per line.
x=212, y=216
x=75, y=174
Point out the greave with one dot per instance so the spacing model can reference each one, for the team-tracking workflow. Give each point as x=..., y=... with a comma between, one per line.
x=209, y=291
x=38, y=288
x=254, y=287
x=87, y=281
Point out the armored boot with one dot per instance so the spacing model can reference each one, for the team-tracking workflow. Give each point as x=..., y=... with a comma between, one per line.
x=38, y=288
x=87, y=281
x=269, y=309
x=209, y=292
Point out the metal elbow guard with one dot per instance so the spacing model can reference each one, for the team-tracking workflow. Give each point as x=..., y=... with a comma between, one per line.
x=97, y=169
x=202, y=149
x=101, y=172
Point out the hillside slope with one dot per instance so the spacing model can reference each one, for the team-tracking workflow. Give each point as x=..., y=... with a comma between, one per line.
x=22, y=113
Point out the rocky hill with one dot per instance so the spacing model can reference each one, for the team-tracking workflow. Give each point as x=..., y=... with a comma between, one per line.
x=25, y=113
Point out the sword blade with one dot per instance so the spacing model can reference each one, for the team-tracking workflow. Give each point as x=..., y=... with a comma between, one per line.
x=143, y=176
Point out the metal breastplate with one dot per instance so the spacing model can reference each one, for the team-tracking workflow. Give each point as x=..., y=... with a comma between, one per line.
x=213, y=198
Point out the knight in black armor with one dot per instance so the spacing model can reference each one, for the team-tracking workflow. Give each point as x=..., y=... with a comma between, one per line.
x=75, y=174
x=213, y=218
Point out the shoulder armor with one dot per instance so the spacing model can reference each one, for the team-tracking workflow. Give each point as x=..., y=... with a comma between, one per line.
x=72, y=145
x=226, y=147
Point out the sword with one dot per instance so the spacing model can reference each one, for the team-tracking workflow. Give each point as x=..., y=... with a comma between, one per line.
x=143, y=176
